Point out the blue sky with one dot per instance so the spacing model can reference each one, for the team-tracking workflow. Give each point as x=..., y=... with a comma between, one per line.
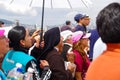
x=52, y=16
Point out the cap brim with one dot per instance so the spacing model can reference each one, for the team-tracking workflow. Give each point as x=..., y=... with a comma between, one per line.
x=87, y=35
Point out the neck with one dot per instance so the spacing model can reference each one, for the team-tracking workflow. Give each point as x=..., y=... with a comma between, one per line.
x=80, y=24
x=25, y=50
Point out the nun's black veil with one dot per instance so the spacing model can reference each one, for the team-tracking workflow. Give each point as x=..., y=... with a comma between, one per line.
x=51, y=39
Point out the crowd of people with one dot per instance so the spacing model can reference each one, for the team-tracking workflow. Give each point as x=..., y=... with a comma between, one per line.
x=66, y=53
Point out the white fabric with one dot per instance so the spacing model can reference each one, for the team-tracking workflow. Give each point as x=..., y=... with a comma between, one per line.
x=48, y=3
x=65, y=34
x=98, y=48
x=6, y=30
x=31, y=48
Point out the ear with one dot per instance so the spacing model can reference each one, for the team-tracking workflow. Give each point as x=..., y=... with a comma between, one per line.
x=22, y=42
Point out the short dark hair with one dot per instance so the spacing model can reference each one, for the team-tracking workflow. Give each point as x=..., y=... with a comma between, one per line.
x=68, y=22
x=1, y=22
x=16, y=34
x=108, y=23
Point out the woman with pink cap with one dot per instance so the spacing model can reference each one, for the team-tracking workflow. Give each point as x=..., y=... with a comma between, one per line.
x=80, y=42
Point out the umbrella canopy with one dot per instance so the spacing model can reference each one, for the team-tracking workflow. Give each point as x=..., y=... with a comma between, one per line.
x=48, y=3
x=22, y=4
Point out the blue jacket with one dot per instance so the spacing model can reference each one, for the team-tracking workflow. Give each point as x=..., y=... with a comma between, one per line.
x=13, y=57
x=93, y=38
x=80, y=28
x=2, y=76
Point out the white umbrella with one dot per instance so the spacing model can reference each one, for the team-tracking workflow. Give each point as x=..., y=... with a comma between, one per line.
x=48, y=3
x=23, y=4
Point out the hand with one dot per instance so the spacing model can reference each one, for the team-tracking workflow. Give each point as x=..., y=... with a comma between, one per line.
x=37, y=39
x=43, y=63
x=35, y=33
x=70, y=57
x=71, y=67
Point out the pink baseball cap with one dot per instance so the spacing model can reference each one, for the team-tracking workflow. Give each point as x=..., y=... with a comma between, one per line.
x=78, y=35
x=2, y=32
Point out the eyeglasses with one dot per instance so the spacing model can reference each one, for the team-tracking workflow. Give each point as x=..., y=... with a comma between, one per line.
x=2, y=37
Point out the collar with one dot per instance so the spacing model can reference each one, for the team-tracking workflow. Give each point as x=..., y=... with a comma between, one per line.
x=56, y=48
x=113, y=47
x=68, y=44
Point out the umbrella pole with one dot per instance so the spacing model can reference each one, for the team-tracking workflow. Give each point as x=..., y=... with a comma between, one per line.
x=42, y=21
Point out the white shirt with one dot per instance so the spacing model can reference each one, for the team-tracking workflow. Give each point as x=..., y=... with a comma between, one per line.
x=98, y=48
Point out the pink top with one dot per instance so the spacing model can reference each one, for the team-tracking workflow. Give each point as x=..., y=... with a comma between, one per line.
x=81, y=66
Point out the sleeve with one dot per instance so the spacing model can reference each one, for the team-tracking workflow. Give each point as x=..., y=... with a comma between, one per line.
x=35, y=52
x=46, y=73
x=33, y=64
x=2, y=75
x=58, y=69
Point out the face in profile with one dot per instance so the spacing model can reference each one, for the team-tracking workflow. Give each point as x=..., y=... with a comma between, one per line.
x=4, y=45
x=60, y=45
x=27, y=42
x=85, y=41
x=86, y=21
